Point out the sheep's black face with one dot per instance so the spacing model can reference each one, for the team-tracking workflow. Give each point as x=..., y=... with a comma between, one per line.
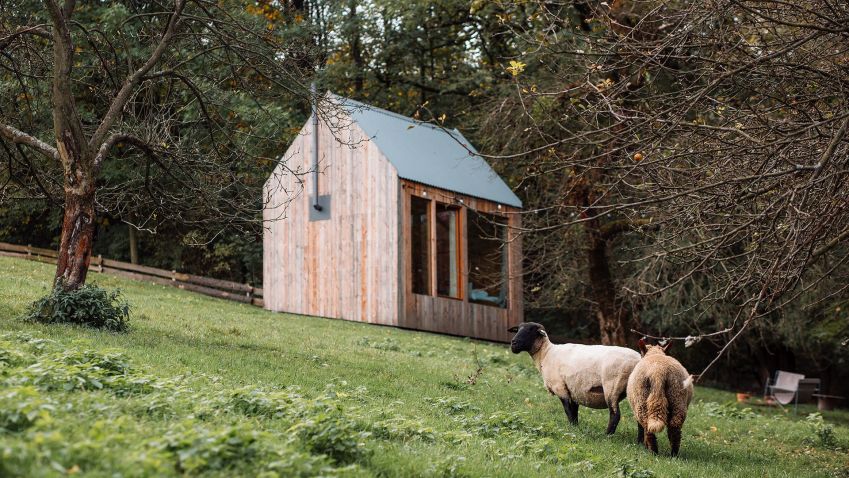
x=526, y=337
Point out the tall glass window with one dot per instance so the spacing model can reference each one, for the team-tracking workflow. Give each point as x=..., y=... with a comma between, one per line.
x=487, y=259
x=447, y=250
x=420, y=238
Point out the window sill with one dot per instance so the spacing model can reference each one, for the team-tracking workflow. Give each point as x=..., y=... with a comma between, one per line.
x=488, y=304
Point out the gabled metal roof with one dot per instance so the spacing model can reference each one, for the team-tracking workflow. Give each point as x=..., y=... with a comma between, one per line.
x=430, y=155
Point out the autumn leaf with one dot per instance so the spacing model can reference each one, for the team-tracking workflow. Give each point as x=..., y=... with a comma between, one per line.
x=516, y=67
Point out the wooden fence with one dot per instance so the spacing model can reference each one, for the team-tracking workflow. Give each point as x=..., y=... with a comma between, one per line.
x=222, y=289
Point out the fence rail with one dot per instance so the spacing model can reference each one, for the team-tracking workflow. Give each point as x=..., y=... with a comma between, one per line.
x=222, y=289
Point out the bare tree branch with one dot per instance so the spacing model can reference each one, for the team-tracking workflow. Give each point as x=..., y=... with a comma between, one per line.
x=37, y=30
x=114, y=112
x=19, y=137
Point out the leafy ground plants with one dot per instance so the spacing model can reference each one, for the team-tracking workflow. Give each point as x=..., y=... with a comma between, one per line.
x=90, y=305
x=203, y=387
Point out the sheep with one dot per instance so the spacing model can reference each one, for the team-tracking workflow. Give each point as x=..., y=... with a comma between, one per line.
x=594, y=376
x=659, y=391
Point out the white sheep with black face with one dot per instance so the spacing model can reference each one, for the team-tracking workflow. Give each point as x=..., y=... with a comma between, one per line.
x=594, y=376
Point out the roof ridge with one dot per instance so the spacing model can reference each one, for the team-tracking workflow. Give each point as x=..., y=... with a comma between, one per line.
x=393, y=114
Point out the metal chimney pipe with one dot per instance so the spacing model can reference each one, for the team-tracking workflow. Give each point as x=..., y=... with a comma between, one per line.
x=315, y=204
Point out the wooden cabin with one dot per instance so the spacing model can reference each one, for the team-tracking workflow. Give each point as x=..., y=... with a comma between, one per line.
x=401, y=223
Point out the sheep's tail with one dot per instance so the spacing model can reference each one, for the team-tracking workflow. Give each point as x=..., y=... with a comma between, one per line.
x=657, y=407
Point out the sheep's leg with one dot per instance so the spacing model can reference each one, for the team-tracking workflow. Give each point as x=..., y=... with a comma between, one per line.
x=674, y=435
x=613, y=422
x=641, y=434
x=651, y=442
x=571, y=409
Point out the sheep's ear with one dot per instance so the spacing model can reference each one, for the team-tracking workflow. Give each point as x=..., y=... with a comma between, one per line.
x=666, y=345
x=542, y=333
x=513, y=329
x=642, y=346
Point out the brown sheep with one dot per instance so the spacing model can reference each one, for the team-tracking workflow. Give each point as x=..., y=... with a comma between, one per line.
x=659, y=391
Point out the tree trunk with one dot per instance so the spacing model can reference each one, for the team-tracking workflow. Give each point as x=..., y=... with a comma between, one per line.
x=77, y=239
x=134, y=245
x=356, y=50
x=610, y=315
x=75, y=156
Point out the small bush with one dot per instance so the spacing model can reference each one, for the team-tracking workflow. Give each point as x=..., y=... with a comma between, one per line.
x=89, y=305
x=822, y=433
x=728, y=410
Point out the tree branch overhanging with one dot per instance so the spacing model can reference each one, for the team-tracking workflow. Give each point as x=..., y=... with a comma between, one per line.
x=19, y=137
x=124, y=94
x=36, y=30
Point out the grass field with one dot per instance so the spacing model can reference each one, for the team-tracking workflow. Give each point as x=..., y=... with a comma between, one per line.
x=201, y=386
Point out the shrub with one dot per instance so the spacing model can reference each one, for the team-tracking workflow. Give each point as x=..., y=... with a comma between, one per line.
x=89, y=305
x=822, y=433
x=728, y=410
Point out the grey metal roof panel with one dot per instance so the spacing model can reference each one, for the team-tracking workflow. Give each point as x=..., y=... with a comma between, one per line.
x=430, y=155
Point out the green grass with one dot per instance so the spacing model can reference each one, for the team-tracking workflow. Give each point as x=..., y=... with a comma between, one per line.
x=207, y=387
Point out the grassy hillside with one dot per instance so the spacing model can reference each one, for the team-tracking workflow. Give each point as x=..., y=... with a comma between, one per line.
x=206, y=387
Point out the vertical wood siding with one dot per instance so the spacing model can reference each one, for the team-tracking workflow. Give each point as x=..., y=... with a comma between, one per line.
x=345, y=267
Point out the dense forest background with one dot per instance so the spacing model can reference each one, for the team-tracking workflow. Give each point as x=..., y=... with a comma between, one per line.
x=684, y=167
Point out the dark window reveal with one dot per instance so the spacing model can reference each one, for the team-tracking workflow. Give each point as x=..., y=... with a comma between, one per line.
x=420, y=237
x=487, y=259
x=447, y=250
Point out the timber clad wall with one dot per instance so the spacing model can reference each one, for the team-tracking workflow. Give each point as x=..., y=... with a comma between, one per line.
x=356, y=265
x=347, y=266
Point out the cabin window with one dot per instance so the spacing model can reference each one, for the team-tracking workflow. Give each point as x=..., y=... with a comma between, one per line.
x=447, y=250
x=487, y=235
x=420, y=238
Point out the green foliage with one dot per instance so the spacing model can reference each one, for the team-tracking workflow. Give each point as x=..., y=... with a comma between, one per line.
x=823, y=433
x=89, y=305
x=206, y=439
x=197, y=448
x=385, y=344
x=630, y=470
x=727, y=410
x=334, y=435
x=21, y=407
x=402, y=429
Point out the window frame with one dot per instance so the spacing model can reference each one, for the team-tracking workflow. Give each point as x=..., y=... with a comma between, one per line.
x=460, y=252
x=428, y=247
x=459, y=203
x=502, y=222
